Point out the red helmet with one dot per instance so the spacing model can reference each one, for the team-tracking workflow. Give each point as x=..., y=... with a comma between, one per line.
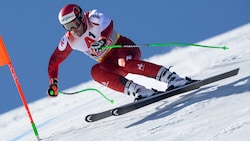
x=69, y=13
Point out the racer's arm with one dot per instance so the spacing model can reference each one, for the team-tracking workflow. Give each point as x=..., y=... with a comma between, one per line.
x=56, y=59
x=104, y=21
x=108, y=30
x=106, y=25
x=58, y=56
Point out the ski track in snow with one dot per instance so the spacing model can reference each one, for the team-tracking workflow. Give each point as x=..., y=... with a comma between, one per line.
x=229, y=130
x=216, y=112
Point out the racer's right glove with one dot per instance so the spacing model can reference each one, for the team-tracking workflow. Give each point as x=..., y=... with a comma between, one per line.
x=53, y=89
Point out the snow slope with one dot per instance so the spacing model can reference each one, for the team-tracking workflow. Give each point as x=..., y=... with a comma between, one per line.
x=216, y=112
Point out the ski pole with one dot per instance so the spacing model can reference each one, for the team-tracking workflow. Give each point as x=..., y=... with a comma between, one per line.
x=166, y=45
x=89, y=89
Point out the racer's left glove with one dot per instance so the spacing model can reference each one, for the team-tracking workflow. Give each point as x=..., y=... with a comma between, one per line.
x=97, y=46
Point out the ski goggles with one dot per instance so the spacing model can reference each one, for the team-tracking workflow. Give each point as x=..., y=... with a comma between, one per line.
x=73, y=24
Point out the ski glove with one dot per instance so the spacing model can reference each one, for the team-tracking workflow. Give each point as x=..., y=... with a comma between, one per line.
x=53, y=90
x=97, y=46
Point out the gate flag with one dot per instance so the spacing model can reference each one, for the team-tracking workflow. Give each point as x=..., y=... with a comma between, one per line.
x=4, y=57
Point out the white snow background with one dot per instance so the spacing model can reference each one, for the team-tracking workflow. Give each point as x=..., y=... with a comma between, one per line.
x=216, y=112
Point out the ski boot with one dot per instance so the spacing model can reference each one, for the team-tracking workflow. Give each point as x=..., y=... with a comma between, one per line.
x=172, y=79
x=138, y=91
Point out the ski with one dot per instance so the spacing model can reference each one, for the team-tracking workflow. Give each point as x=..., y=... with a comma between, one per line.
x=98, y=116
x=160, y=96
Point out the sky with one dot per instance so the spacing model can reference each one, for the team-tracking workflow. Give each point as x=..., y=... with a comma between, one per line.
x=215, y=112
x=31, y=32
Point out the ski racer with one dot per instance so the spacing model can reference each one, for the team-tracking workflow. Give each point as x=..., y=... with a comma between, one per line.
x=90, y=31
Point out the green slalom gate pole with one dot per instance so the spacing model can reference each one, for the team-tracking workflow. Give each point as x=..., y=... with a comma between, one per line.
x=166, y=45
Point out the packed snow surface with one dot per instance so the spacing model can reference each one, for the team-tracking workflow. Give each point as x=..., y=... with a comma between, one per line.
x=216, y=112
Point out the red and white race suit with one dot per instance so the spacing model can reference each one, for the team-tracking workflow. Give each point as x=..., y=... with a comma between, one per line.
x=107, y=71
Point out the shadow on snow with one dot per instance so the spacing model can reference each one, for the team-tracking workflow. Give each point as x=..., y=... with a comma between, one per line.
x=197, y=96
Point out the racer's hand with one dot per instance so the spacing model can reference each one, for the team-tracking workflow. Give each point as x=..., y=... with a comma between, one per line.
x=97, y=46
x=53, y=89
